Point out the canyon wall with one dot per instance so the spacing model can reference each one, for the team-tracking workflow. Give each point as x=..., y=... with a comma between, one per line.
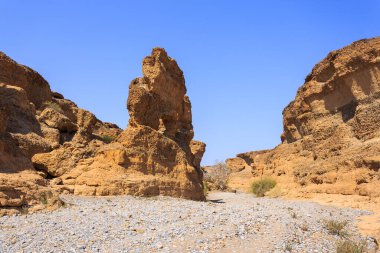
x=49, y=146
x=330, y=142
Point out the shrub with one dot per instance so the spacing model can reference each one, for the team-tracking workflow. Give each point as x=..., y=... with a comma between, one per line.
x=288, y=247
x=205, y=188
x=304, y=227
x=335, y=227
x=217, y=176
x=348, y=246
x=107, y=139
x=54, y=106
x=260, y=187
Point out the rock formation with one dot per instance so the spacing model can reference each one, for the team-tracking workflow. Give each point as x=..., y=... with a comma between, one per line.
x=153, y=155
x=48, y=145
x=331, y=132
x=35, y=120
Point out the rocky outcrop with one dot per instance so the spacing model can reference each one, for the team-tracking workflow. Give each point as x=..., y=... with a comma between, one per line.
x=153, y=155
x=48, y=145
x=35, y=86
x=35, y=121
x=331, y=130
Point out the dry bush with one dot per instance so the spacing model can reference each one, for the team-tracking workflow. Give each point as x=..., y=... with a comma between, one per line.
x=261, y=186
x=336, y=227
x=348, y=246
x=54, y=106
x=216, y=178
x=107, y=139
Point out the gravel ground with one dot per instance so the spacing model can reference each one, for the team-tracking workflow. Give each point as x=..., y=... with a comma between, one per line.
x=228, y=222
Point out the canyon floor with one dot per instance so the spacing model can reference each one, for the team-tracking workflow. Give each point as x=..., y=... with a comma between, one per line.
x=227, y=222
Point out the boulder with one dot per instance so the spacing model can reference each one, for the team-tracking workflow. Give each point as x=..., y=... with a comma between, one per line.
x=35, y=86
x=198, y=149
x=236, y=164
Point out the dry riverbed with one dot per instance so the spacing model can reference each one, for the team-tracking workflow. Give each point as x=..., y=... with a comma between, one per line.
x=228, y=222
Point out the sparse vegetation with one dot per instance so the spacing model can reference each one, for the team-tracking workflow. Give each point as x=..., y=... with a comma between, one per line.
x=348, y=246
x=217, y=177
x=43, y=200
x=304, y=227
x=107, y=138
x=336, y=227
x=293, y=215
x=288, y=247
x=205, y=188
x=54, y=106
x=260, y=187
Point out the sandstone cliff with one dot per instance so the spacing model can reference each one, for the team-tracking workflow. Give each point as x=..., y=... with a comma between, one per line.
x=331, y=132
x=153, y=155
x=48, y=145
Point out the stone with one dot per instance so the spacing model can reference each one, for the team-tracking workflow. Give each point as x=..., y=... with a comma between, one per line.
x=198, y=149
x=33, y=121
x=330, y=142
x=236, y=164
x=153, y=155
x=36, y=88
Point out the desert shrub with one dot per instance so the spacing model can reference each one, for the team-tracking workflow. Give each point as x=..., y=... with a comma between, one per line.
x=54, y=106
x=304, y=227
x=288, y=247
x=107, y=139
x=348, y=246
x=217, y=177
x=335, y=227
x=205, y=188
x=261, y=186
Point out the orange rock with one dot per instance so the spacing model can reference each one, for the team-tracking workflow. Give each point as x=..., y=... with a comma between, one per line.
x=331, y=133
x=153, y=155
x=36, y=88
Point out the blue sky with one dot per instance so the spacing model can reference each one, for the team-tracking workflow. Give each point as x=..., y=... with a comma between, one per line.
x=243, y=60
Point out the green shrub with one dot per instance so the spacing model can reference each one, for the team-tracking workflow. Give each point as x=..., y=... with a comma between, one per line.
x=107, y=139
x=336, y=227
x=348, y=246
x=205, y=188
x=54, y=106
x=260, y=187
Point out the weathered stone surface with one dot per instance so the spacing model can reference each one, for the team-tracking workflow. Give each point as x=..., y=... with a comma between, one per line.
x=36, y=88
x=54, y=119
x=48, y=145
x=236, y=164
x=331, y=130
x=198, y=149
x=153, y=155
x=33, y=121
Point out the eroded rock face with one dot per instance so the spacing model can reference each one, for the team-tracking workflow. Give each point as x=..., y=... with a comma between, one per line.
x=331, y=129
x=35, y=86
x=153, y=155
x=48, y=145
x=35, y=122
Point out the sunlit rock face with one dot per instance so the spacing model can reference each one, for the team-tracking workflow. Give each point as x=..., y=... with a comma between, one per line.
x=48, y=145
x=153, y=155
x=331, y=130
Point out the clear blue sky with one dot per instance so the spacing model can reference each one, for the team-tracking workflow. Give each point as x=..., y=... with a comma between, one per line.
x=243, y=60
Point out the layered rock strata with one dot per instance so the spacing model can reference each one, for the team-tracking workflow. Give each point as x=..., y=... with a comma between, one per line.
x=330, y=142
x=50, y=146
x=154, y=155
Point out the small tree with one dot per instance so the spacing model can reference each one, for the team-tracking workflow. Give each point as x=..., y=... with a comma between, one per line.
x=217, y=176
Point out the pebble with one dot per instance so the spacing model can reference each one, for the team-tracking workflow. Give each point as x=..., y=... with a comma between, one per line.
x=240, y=223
